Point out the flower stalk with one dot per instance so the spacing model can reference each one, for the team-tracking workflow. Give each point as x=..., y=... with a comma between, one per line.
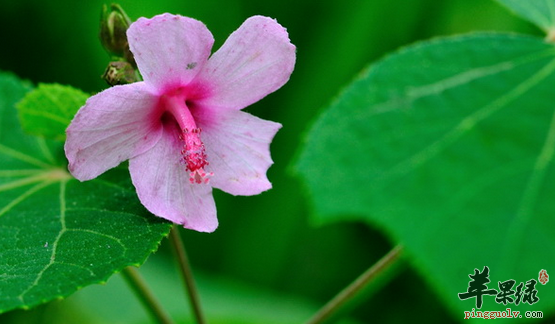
x=187, y=274
x=139, y=286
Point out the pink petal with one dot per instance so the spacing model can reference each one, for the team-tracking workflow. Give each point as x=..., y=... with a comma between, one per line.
x=163, y=186
x=169, y=50
x=113, y=126
x=256, y=59
x=238, y=150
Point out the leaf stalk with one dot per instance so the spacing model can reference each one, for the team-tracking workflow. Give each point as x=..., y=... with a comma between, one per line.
x=356, y=286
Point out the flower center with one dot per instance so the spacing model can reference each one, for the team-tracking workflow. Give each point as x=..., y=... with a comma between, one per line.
x=193, y=151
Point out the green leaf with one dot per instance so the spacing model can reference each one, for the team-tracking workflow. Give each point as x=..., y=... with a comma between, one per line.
x=538, y=12
x=48, y=109
x=449, y=146
x=57, y=234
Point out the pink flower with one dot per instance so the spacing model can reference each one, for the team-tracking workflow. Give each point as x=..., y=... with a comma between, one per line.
x=182, y=128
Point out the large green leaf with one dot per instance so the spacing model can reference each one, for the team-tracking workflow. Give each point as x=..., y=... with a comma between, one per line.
x=57, y=234
x=449, y=146
x=539, y=12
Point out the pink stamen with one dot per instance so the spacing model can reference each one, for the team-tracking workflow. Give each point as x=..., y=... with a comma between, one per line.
x=194, y=156
x=193, y=152
x=200, y=176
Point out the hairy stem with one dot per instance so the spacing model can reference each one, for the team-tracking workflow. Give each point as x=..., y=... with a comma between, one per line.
x=356, y=286
x=137, y=283
x=187, y=274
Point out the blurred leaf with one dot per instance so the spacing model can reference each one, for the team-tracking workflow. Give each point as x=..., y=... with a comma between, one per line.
x=48, y=109
x=448, y=145
x=57, y=234
x=539, y=12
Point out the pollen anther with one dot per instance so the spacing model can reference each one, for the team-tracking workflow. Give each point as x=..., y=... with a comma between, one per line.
x=194, y=156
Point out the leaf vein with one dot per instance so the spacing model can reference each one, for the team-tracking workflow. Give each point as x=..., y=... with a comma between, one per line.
x=413, y=93
x=45, y=151
x=54, y=245
x=18, y=173
x=48, y=115
x=23, y=157
x=22, y=182
x=99, y=234
x=531, y=191
x=468, y=123
x=24, y=196
x=76, y=266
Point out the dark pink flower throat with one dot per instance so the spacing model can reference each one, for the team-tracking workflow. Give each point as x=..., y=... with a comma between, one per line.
x=193, y=151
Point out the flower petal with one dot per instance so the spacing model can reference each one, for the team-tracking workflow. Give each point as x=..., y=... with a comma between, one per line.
x=169, y=49
x=113, y=126
x=256, y=59
x=238, y=150
x=163, y=186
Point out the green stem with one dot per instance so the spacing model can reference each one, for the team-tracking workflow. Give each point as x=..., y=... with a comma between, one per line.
x=146, y=297
x=356, y=286
x=187, y=274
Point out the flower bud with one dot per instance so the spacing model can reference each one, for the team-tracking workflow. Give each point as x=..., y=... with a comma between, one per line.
x=120, y=72
x=113, y=27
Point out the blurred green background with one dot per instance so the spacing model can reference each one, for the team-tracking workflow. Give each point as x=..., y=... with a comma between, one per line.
x=266, y=248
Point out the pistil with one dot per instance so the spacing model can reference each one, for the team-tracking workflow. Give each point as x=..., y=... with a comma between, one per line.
x=193, y=151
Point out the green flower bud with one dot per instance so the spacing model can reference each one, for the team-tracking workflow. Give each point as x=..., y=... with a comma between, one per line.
x=113, y=27
x=120, y=72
